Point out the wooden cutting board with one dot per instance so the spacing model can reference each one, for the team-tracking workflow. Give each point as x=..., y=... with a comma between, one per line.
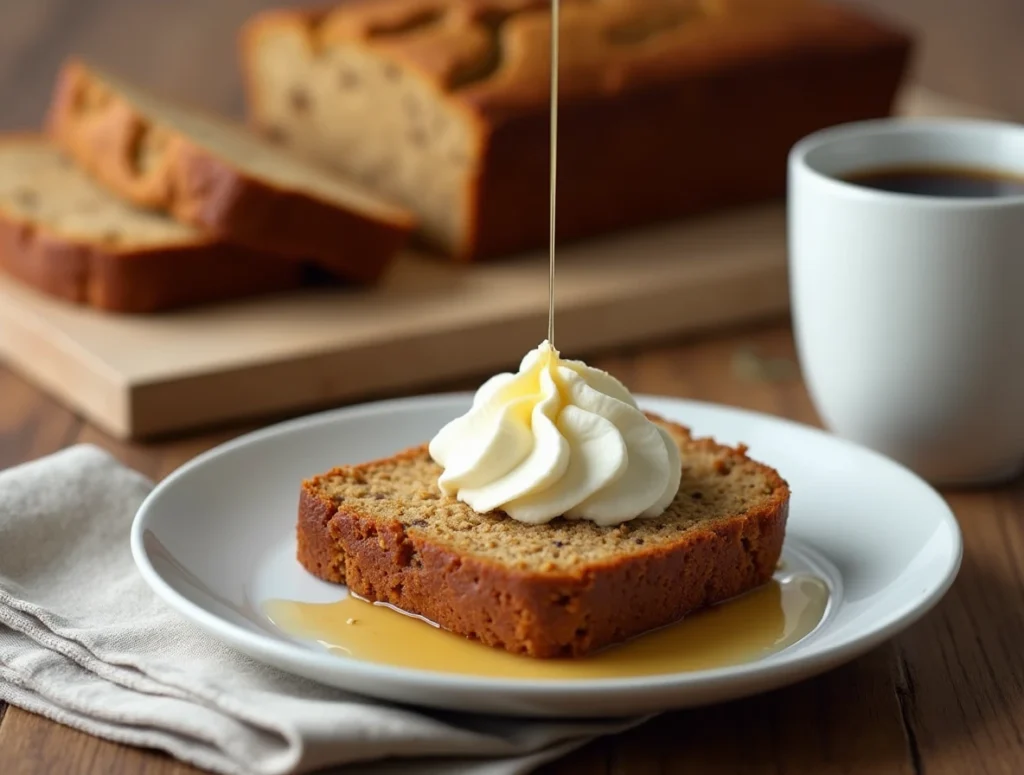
x=143, y=376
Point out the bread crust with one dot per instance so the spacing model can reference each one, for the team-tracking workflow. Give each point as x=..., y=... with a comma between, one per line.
x=138, y=280
x=544, y=614
x=159, y=168
x=698, y=118
x=715, y=135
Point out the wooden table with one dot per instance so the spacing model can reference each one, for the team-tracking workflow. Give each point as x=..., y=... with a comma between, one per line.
x=947, y=696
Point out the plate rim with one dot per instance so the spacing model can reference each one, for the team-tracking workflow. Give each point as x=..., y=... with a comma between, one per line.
x=278, y=652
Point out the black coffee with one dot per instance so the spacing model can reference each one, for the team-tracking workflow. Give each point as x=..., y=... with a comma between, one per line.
x=940, y=181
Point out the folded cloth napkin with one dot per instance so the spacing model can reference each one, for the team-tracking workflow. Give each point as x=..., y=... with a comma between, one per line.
x=84, y=642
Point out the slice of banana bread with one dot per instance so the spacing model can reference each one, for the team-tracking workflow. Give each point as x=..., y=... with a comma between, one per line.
x=561, y=589
x=66, y=236
x=207, y=172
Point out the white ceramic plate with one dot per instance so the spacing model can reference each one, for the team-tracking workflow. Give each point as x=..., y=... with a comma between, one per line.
x=215, y=540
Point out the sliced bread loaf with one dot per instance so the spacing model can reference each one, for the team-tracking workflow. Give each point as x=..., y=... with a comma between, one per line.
x=668, y=107
x=561, y=589
x=67, y=236
x=210, y=173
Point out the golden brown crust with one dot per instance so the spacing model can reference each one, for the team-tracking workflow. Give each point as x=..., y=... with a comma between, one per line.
x=317, y=551
x=697, y=116
x=141, y=280
x=724, y=128
x=544, y=613
x=159, y=168
x=494, y=54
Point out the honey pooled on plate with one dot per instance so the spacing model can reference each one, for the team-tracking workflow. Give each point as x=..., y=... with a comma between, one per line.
x=750, y=627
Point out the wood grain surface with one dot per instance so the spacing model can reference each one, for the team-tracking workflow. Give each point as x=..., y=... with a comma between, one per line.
x=947, y=696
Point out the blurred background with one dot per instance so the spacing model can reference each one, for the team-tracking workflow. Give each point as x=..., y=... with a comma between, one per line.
x=972, y=49
x=967, y=50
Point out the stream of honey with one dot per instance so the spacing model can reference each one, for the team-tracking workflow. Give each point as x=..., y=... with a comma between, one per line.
x=553, y=188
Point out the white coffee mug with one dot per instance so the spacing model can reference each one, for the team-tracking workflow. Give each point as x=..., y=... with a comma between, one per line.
x=909, y=309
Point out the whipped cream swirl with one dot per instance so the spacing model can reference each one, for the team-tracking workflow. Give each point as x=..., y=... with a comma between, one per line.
x=557, y=438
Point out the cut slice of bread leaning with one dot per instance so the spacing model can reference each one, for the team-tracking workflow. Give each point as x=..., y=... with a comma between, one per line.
x=563, y=589
x=64, y=235
x=216, y=175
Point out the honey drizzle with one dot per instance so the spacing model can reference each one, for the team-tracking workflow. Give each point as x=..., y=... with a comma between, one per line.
x=747, y=628
x=554, y=169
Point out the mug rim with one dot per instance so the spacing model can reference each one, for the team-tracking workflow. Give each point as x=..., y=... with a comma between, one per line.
x=902, y=126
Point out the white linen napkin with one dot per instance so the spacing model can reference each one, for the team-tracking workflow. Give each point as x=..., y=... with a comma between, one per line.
x=84, y=642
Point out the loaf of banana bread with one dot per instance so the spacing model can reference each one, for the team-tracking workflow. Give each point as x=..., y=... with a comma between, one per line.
x=668, y=107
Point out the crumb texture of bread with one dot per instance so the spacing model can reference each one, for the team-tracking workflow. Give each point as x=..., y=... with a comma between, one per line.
x=210, y=173
x=562, y=589
x=63, y=234
x=667, y=107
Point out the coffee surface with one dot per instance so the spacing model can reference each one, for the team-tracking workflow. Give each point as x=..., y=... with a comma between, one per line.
x=954, y=182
